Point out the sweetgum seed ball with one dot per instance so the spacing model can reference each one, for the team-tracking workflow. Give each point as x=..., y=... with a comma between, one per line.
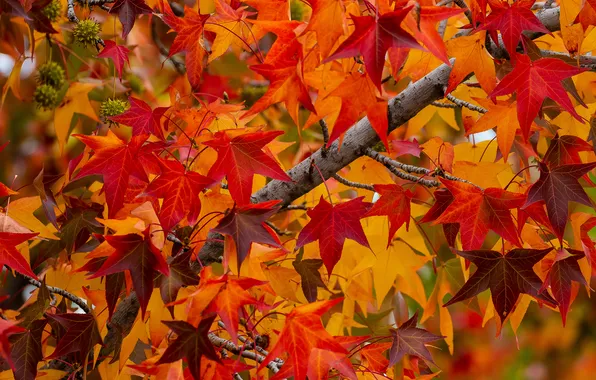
x=52, y=74
x=86, y=32
x=46, y=97
x=112, y=107
x=53, y=10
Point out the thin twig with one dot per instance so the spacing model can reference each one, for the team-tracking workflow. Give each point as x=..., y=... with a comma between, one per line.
x=444, y=105
x=231, y=347
x=295, y=207
x=468, y=105
x=349, y=183
x=278, y=230
x=394, y=165
x=77, y=300
x=325, y=131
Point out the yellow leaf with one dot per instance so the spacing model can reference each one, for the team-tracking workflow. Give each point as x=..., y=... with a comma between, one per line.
x=13, y=81
x=22, y=211
x=76, y=100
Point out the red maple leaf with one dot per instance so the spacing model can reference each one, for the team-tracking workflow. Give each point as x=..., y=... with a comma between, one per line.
x=533, y=82
x=116, y=161
x=512, y=20
x=8, y=328
x=80, y=336
x=191, y=343
x=478, y=211
x=246, y=224
x=10, y=256
x=180, y=190
x=128, y=10
x=395, y=204
x=189, y=39
x=331, y=225
x=558, y=187
x=26, y=351
x=564, y=150
x=373, y=37
x=240, y=158
x=410, y=340
x=117, y=53
x=302, y=333
x=141, y=118
x=563, y=271
x=138, y=255
x=507, y=276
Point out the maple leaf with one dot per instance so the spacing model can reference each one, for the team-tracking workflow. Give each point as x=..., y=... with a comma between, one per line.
x=352, y=107
x=332, y=225
x=471, y=56
x=303, y=332
x=117, y=53
x=310, y=277
x=128, y=10
x=512, y=20
x=563, y=271
x=241, y=157
x=231, y=297
x=557, y=187
x=10, y=256
x=410, y=340
x=533, y=82
x=373, y=37
x=230, y=28
x=180, y=190
x=141, y=118
x=189, y=39
x=283, y=69
x=26, y=350
x=191, y=343
x=80, y=336
x=8, y=328
x=246, y=224
x=586, y=241
x=395, y=204
x=37, y=19
x=373, y=355
x=138, y=255
x=478, y=211
x=76, y=100
x=116, y=161
x=564, y=150
x=327, y=21
x=507, y=276
x=180, y=275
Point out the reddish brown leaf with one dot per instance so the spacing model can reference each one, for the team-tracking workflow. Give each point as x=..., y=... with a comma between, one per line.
x=373, y=37
x=564, y=150
x=533, y=82
x=443, y=198
x=246, y=224
x=239, y=158
x=192, y=343
x=80, y=336
x=395, y=204
x=180, y=275
x=8, y=328
x=478, y=211
x=332, y=225
x=26, y=351
x=310, y=277
x=411, y=340
x=127, y=11
x=587, y=243
x=558, y=187
x=507, y=276
x=138, y=255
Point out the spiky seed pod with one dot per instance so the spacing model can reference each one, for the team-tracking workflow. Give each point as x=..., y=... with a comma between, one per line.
x=86, y=32
x=112, y=107
x=53, y=10
x=46, y=97
x=52, y=74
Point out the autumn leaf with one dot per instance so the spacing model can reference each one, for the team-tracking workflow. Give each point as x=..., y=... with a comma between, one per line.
x=373, y=37
x=507, y=276
x=471, y=56
x=117, y=162
x=138, y=255
x=10, y=256
x=230, y=27
x=395, y=204
x=374, y=358
x=303, y=332
x=557, y=187
x=564, y=150
x=410, y=340
x=478, y=211
x=141, y=118
x=246, y=224
x=189, y=39
x=26, y=350
x=76, y=100
x=239, y=158
x=191, y=343
x=180, y=275
x=533, y=82
x=327, y=22
x=127, y=11
x=117, y=53
x=331, y=225
x=563, y=271
x=8, y=328
x=511, y=21
x=310, y=277
x=80, y=336
x=180, y=190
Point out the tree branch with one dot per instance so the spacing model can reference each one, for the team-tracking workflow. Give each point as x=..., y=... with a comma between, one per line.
x=349, y=183
x=77, y=300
